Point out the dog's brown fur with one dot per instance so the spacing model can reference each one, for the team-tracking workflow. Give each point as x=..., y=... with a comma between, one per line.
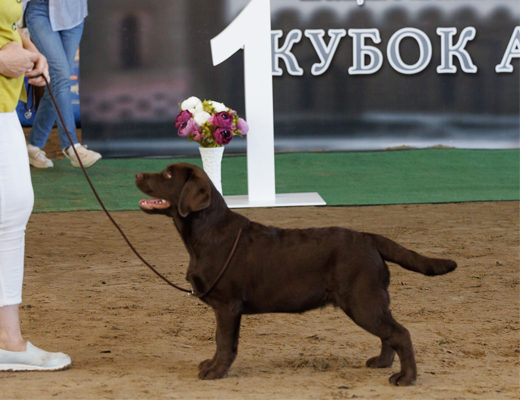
x=283, y=270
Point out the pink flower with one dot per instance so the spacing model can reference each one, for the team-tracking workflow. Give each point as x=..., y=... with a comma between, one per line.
x=198, y=136
x=188, y=128
x=221, y=120
x=243, y=126
x=223, y=136
x=182, y=118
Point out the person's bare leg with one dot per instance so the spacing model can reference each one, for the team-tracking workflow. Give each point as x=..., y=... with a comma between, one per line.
x=10, y=334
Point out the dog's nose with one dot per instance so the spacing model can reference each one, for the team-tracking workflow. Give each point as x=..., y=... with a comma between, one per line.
x=139, y=176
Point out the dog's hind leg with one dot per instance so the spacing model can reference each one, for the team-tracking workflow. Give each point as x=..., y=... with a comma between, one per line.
x=369, y=309
x=228, y=327
x=383, y=360
x=398, y=338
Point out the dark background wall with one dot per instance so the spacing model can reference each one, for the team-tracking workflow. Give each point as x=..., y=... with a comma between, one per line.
x=139, y=60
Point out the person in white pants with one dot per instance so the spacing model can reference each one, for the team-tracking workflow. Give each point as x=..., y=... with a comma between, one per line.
x=18, y=58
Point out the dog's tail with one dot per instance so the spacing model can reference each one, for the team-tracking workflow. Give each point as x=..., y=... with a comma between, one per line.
x=412, y=261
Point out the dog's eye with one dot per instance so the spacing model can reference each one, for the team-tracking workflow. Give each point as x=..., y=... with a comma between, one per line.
x=167, y=175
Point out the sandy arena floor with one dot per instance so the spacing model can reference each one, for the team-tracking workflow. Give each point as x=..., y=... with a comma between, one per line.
x=131, y=336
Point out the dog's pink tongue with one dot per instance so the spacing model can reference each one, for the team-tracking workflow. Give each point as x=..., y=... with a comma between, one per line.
x=150, y=204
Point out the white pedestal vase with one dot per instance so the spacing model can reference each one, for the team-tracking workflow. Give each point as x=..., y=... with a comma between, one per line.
x=212, y=162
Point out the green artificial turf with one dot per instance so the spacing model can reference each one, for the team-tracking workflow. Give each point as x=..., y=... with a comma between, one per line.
x=356, y=178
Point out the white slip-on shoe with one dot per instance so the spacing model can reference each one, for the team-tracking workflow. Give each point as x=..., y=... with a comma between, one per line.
x=88, y=157
x=37, y=157
x=33, y=359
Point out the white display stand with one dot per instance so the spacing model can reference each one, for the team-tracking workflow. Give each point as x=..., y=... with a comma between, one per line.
x=280, y=200
x=251, y=31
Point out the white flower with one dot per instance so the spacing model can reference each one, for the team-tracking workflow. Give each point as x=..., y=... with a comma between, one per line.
x=219, y=107
x=201, y=117
x=192, y=102
x=196, y=109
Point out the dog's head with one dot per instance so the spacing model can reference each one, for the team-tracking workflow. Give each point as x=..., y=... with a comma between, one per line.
x=180, y=189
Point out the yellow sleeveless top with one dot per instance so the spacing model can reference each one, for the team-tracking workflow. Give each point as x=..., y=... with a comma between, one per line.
x=11, y=89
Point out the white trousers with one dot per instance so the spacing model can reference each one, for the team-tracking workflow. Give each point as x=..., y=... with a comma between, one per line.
x=16, y=204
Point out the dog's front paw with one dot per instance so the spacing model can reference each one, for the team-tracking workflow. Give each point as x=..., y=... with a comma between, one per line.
x=380, y=362
x=204, y=365
x=403, y=379
x=214, y=372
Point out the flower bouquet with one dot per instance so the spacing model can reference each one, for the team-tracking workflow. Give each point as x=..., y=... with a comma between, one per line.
x=212, y=125
x=209, y=123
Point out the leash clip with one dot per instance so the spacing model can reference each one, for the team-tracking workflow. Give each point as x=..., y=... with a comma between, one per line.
x=30, y=95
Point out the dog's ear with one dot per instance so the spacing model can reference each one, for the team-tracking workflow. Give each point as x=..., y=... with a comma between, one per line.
x=195, y=195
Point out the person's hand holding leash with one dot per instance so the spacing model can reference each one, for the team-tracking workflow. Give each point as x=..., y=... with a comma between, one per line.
x=15, y=61
x=39, y=66
x=39, y=69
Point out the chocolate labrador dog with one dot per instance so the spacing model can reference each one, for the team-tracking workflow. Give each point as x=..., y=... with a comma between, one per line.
x=276, y=270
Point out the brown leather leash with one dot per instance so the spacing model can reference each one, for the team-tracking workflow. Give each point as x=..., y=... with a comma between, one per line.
x=191, y=292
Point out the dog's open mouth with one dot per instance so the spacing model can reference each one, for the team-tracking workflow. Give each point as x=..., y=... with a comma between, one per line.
x=151, y=204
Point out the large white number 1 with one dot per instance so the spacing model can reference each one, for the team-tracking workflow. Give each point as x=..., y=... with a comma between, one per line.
x=251, y=31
